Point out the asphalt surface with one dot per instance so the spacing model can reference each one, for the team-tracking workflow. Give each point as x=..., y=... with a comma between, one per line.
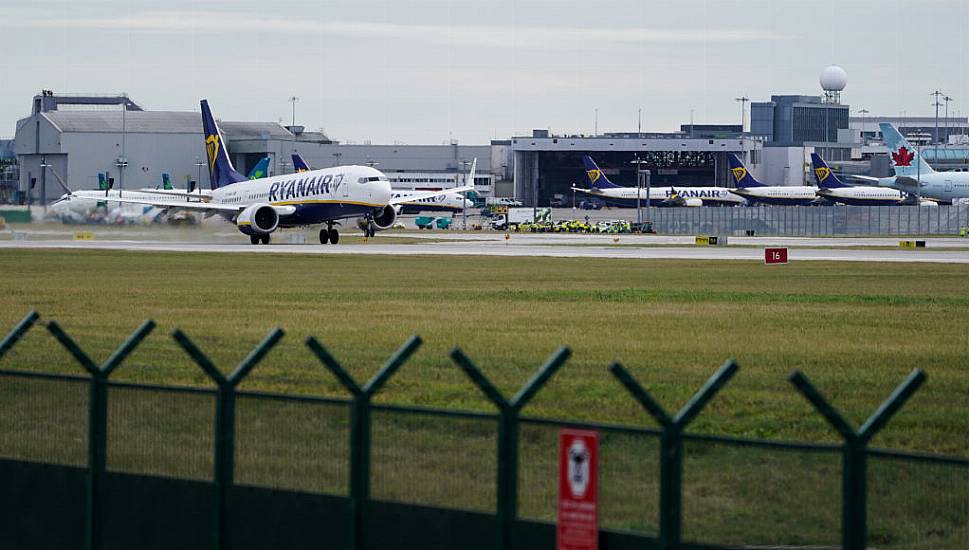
x=566, y=246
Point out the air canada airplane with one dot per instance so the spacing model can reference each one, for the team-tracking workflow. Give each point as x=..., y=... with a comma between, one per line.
x=446, y=201
x=601, y=188
x=832, y=188
x=914, y=176
x=755, y=191
x=259, y=207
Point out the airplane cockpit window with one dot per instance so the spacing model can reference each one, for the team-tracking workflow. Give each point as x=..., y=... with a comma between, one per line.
x=361, y=180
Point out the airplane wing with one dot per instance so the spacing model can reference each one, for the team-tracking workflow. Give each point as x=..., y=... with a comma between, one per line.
x=431, y=194
x=863, y=178
x=178, y=193
x=160, y=203
x=587, y=191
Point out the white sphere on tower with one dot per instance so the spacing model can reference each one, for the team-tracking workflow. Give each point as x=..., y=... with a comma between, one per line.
x=833, y=79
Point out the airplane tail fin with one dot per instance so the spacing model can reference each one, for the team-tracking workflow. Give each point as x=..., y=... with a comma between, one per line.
x=167, y=182
x=102, y=181
x=221, y=171
x=597, y=180
x=260, y=170
x=299, y=165
x=740, y=174
x=906, y=160
x=826, y=178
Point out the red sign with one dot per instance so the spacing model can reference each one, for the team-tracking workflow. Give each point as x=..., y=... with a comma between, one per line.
x=775, y=255
x=578, y=513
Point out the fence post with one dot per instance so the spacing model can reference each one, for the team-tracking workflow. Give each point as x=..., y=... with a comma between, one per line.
x=854, y=527
x=225, y=425
x=506, y=510
x=97, y=457
x=18, y=332
x=671, y=443
x=360, y=426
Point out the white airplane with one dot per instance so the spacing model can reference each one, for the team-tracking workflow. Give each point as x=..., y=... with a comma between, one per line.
x=919, y=180
x=755, y=191
x=259, y=207
x=445, y=201
x=832, y=188
x=604, y=190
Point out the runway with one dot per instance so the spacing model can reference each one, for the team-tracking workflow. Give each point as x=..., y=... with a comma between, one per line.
x=644, y=247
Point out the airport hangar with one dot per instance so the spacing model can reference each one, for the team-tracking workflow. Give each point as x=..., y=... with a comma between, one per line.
x=78, y=137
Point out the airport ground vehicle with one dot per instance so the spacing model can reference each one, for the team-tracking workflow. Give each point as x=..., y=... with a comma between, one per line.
x=590, y=204
x=424, y=222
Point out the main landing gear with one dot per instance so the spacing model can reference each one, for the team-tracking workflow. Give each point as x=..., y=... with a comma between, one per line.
x=329, y=235
x=256, y=239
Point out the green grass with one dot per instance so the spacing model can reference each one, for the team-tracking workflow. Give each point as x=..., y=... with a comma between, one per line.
x=856, y=329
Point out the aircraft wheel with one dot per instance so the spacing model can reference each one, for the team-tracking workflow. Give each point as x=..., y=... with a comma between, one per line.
x=254, y=239
x=371, y=229
x=324, y=236
x=265, y=238
x=334, y=236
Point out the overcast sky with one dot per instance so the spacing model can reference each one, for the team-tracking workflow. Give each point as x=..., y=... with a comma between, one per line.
x=423, y=71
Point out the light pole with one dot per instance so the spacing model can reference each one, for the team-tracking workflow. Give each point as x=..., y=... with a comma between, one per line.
x=337, y=156
x=283, y=164
x=43, y=182
x=198, y=183
x=639, y=189
x=595, y=128
x=743, y=100
x=947, y=99
x=573, y=200
x=293, y=100
x=864, y=123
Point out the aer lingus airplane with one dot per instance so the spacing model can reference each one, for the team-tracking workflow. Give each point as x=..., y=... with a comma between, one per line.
x=259, y=207
x=914, y=176
x=832, y=188
x=604, y=190
x=754, y=191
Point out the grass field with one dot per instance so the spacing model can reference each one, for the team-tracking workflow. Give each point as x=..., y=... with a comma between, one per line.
x=856, y=329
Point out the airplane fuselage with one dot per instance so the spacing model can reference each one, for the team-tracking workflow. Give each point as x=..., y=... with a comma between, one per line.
x=863, y=195
x=658, y=196
x=446, y=202
x=942, y=186
x=792, y=195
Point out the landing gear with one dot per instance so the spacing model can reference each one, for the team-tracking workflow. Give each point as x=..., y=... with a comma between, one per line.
x=256, y=239
x=371, y=229
x=329, y=235
x=265, y=239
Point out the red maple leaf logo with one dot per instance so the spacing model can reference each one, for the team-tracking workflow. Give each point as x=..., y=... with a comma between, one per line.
x=903, y=157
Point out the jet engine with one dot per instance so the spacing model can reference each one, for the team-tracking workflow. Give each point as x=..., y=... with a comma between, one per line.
x=385, y=217
x=258, y=219
x=693, y=202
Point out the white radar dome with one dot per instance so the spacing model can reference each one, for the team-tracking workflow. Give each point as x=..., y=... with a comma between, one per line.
x=833, y=79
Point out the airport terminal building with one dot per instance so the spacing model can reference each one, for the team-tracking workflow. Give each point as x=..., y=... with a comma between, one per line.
x=74, y=138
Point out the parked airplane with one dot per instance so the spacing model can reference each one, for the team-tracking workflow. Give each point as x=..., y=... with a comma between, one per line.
x=918, y=179
x=260, y=170
x=604, y=190
x=832, y=188
x=262, y=206
x=446, y=201
x=756, y=192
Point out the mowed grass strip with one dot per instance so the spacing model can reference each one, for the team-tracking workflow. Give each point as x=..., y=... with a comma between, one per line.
x=856, y=329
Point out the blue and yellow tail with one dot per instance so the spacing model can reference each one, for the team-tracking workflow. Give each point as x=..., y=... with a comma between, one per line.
x=905, y=159
x=826, y=178
x=299, y=165
x=597, y=180
x=260, y=170
x=221, y=171
x=741, y=176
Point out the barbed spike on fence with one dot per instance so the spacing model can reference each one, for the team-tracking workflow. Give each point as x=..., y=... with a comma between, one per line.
x=235, y=378
x=113, y=361
x=333, y=366
x=18, y=331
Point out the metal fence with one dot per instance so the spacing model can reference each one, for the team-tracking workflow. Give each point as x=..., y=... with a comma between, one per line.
x=90, y=462
x=810, y=221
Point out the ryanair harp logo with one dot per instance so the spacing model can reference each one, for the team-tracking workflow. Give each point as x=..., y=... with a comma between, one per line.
x=212, y=148
x=739, y=173
x=594, y=175
x=822, y=173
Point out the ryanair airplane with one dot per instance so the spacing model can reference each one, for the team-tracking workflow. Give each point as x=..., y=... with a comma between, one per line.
x=914, y=176
x=756, y=192
x=832, y=188
x=260, y=207
x=601, y=188
x=446, y=201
